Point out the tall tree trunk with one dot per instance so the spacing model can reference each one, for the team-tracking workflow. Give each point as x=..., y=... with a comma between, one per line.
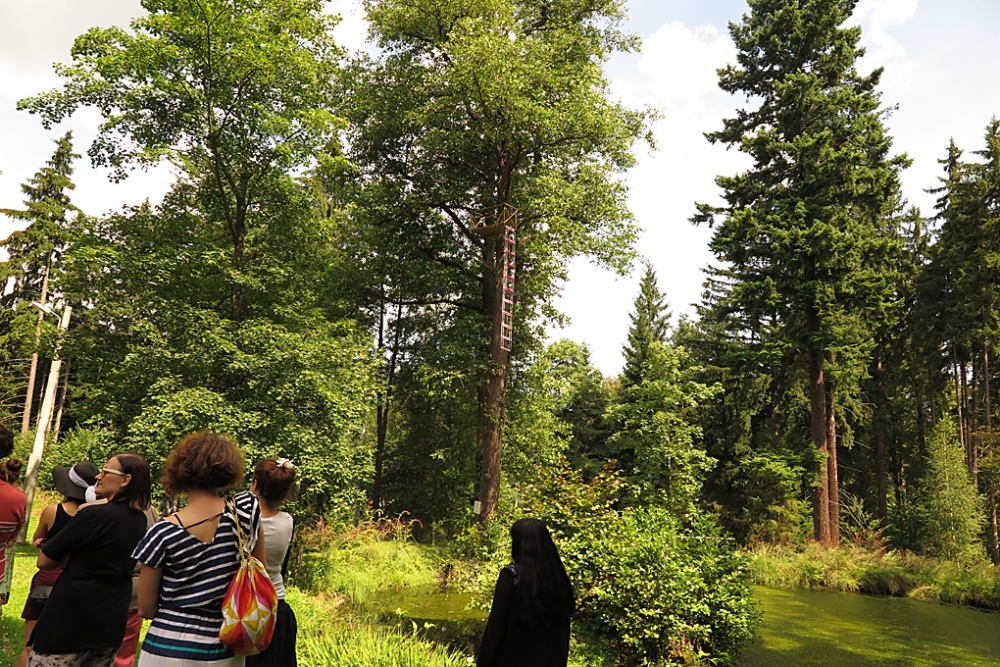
x=382, y=403
x=961, y=415
x=818, y=427
x=991, y=494
x=832, y=478
x=29, y=395
x=986, y=390
x=880, y=417
x=492, y=391
x=969, y=422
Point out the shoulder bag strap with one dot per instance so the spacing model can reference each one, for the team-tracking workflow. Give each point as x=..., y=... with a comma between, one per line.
x=241, y=540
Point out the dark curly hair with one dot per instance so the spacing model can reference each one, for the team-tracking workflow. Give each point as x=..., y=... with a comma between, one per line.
x=203, y=460
x=274, y=482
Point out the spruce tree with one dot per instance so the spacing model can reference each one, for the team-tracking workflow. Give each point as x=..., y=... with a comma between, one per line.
x=649, y=323
x=951, y=507
x=803, y=230
x=33, y=250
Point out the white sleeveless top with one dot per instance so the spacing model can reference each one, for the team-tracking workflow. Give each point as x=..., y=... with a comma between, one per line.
x=277, y=537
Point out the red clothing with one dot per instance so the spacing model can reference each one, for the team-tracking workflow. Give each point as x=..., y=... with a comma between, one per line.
x=13, y=506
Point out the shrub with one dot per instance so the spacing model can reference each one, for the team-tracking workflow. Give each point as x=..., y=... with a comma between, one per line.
x=656, y=590
x=665, y=595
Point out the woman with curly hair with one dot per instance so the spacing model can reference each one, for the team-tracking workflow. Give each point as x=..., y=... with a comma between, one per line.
x=190, y=557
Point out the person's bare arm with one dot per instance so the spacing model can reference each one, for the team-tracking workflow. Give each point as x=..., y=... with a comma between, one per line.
x=258, y=549
x=46, y=563
x=149, y=590
x=45, y=521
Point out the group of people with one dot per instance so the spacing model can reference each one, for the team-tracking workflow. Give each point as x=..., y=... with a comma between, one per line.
x=106, y=561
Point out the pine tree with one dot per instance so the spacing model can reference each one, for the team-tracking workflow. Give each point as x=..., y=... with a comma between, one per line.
x=803, y=234
x=649, y=323
x=33, y=250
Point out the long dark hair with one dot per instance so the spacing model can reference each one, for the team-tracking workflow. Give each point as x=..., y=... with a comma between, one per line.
x=136, y=494
x=543, y=594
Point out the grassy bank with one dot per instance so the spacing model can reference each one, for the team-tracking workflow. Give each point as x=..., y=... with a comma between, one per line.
x=853, y=569
x=337, y=623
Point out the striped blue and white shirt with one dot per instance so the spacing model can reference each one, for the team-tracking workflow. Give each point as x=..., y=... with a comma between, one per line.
x=196, y=576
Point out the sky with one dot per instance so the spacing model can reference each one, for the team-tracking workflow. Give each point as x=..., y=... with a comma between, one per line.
x=941, y=69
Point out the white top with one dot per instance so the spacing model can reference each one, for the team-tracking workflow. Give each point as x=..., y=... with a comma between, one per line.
x=277, y=537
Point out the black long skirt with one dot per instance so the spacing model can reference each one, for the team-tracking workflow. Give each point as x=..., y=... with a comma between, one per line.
x=281, y=651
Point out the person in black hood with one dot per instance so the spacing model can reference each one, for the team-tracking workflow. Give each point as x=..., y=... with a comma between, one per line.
x=532, y=604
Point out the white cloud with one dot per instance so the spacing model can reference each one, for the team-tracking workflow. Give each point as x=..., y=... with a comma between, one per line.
x=675, y=73
x=878, y=18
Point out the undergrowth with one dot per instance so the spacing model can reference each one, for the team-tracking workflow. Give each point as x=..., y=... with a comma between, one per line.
x=856, y=569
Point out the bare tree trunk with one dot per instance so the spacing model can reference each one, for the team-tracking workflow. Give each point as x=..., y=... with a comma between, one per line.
x=29, y=395
x=883, y=500
x=832, y=478
x=969, y=427
x=818, y=427
x=961, y=416
x=56, y=427
x=383, y=401
x=986, y=390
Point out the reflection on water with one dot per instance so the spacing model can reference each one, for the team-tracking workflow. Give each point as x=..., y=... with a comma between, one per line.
x=803, y=628
x=446, y=617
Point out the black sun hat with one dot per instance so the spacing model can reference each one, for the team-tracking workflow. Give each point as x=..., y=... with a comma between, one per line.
x=73, y=482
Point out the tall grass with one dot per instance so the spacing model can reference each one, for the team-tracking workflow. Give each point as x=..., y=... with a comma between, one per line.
x=855, y=569
x=362, y=562
x=363, y=645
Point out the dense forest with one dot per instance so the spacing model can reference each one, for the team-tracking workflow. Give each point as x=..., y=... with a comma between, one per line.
x=331, y=277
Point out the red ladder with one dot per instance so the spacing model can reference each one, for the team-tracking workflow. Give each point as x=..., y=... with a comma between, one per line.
x=507, y=312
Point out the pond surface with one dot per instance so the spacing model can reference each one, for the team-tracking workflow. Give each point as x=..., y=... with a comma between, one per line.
x=802, y=628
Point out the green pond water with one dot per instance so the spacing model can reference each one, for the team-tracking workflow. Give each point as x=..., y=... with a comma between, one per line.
x=801, y=628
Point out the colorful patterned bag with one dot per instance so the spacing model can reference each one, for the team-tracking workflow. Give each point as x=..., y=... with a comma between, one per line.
x=250, y=607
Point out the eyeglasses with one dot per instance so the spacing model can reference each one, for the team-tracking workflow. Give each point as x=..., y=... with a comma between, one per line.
x=109, y=471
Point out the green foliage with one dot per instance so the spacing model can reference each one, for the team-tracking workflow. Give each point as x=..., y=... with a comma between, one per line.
x=96, y=445
x=666, y=595
x=648, y=324
x=189, y=80
x=659, y=591
x=657, y=422
x=951, y=507
x=363, y=562
x=806, y=233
